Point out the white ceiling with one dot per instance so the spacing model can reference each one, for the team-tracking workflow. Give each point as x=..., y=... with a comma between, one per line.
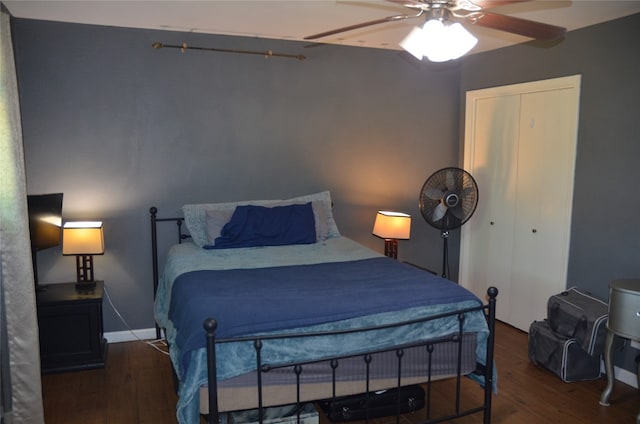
x=295, y=19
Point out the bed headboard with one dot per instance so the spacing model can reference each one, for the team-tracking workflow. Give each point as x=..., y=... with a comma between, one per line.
x=182, y=235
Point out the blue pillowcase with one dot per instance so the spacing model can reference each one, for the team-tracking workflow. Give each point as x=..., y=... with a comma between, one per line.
x=262, y=226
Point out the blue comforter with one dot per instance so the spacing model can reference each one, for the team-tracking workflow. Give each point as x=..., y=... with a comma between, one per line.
x=252, y=301
x=305, y=298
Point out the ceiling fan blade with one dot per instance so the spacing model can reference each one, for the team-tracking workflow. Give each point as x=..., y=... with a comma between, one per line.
x=360, y=25
x=413, y=4
x=537, y=30
x=439, y=212
x=487, y=4
x=471, y=5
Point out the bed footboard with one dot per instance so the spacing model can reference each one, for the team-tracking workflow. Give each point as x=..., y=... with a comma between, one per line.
x=485, y=373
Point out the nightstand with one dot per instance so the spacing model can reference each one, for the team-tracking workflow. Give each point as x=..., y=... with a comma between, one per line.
x=70, y=325
x=624, y=321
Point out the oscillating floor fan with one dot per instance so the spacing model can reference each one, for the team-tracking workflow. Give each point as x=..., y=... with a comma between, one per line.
x=447, y=200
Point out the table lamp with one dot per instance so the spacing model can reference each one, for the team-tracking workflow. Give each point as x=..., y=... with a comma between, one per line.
x=392, y=226
x=83, y=239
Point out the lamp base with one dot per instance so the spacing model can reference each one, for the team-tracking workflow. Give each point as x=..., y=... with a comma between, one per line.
x=391, y=248
x=84, y=269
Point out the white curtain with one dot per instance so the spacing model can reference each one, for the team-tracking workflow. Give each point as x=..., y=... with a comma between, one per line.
x=19, y=349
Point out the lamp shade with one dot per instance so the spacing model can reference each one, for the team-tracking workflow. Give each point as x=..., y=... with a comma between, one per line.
x=392, y=225
x=82, y=238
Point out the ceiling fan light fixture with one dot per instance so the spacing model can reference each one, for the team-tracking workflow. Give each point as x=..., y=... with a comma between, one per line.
x=461, y=41
x=439, y=41
x=413, y=43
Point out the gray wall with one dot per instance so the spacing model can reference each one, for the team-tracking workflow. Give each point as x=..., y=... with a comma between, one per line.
x=605, y=235
x=118, y=127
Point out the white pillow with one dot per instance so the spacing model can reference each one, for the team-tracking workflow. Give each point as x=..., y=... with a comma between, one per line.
x=205, y=220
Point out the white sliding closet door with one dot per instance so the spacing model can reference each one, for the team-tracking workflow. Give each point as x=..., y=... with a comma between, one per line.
x=488, y=234
x=520, y=147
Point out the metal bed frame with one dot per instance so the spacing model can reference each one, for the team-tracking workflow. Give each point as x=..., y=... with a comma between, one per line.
x=486, y=373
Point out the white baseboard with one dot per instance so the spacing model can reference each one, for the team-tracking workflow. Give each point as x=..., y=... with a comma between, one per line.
x=622, y=375
x=130, y=336
x=625, y=376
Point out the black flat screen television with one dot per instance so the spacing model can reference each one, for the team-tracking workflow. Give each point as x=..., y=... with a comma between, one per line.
x=45, y=224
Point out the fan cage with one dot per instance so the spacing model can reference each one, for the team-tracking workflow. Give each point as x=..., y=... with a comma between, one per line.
x=448, y=182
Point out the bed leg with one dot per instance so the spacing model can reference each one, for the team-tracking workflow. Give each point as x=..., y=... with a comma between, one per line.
x=488, y=386
x=210, y=326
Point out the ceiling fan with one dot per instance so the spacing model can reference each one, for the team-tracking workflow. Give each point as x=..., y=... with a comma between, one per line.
x=440, y=26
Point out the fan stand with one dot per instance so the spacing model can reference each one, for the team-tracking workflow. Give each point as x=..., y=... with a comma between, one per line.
x=445, y=254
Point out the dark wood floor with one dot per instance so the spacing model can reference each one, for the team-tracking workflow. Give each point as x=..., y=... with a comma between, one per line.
x=136, y=387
